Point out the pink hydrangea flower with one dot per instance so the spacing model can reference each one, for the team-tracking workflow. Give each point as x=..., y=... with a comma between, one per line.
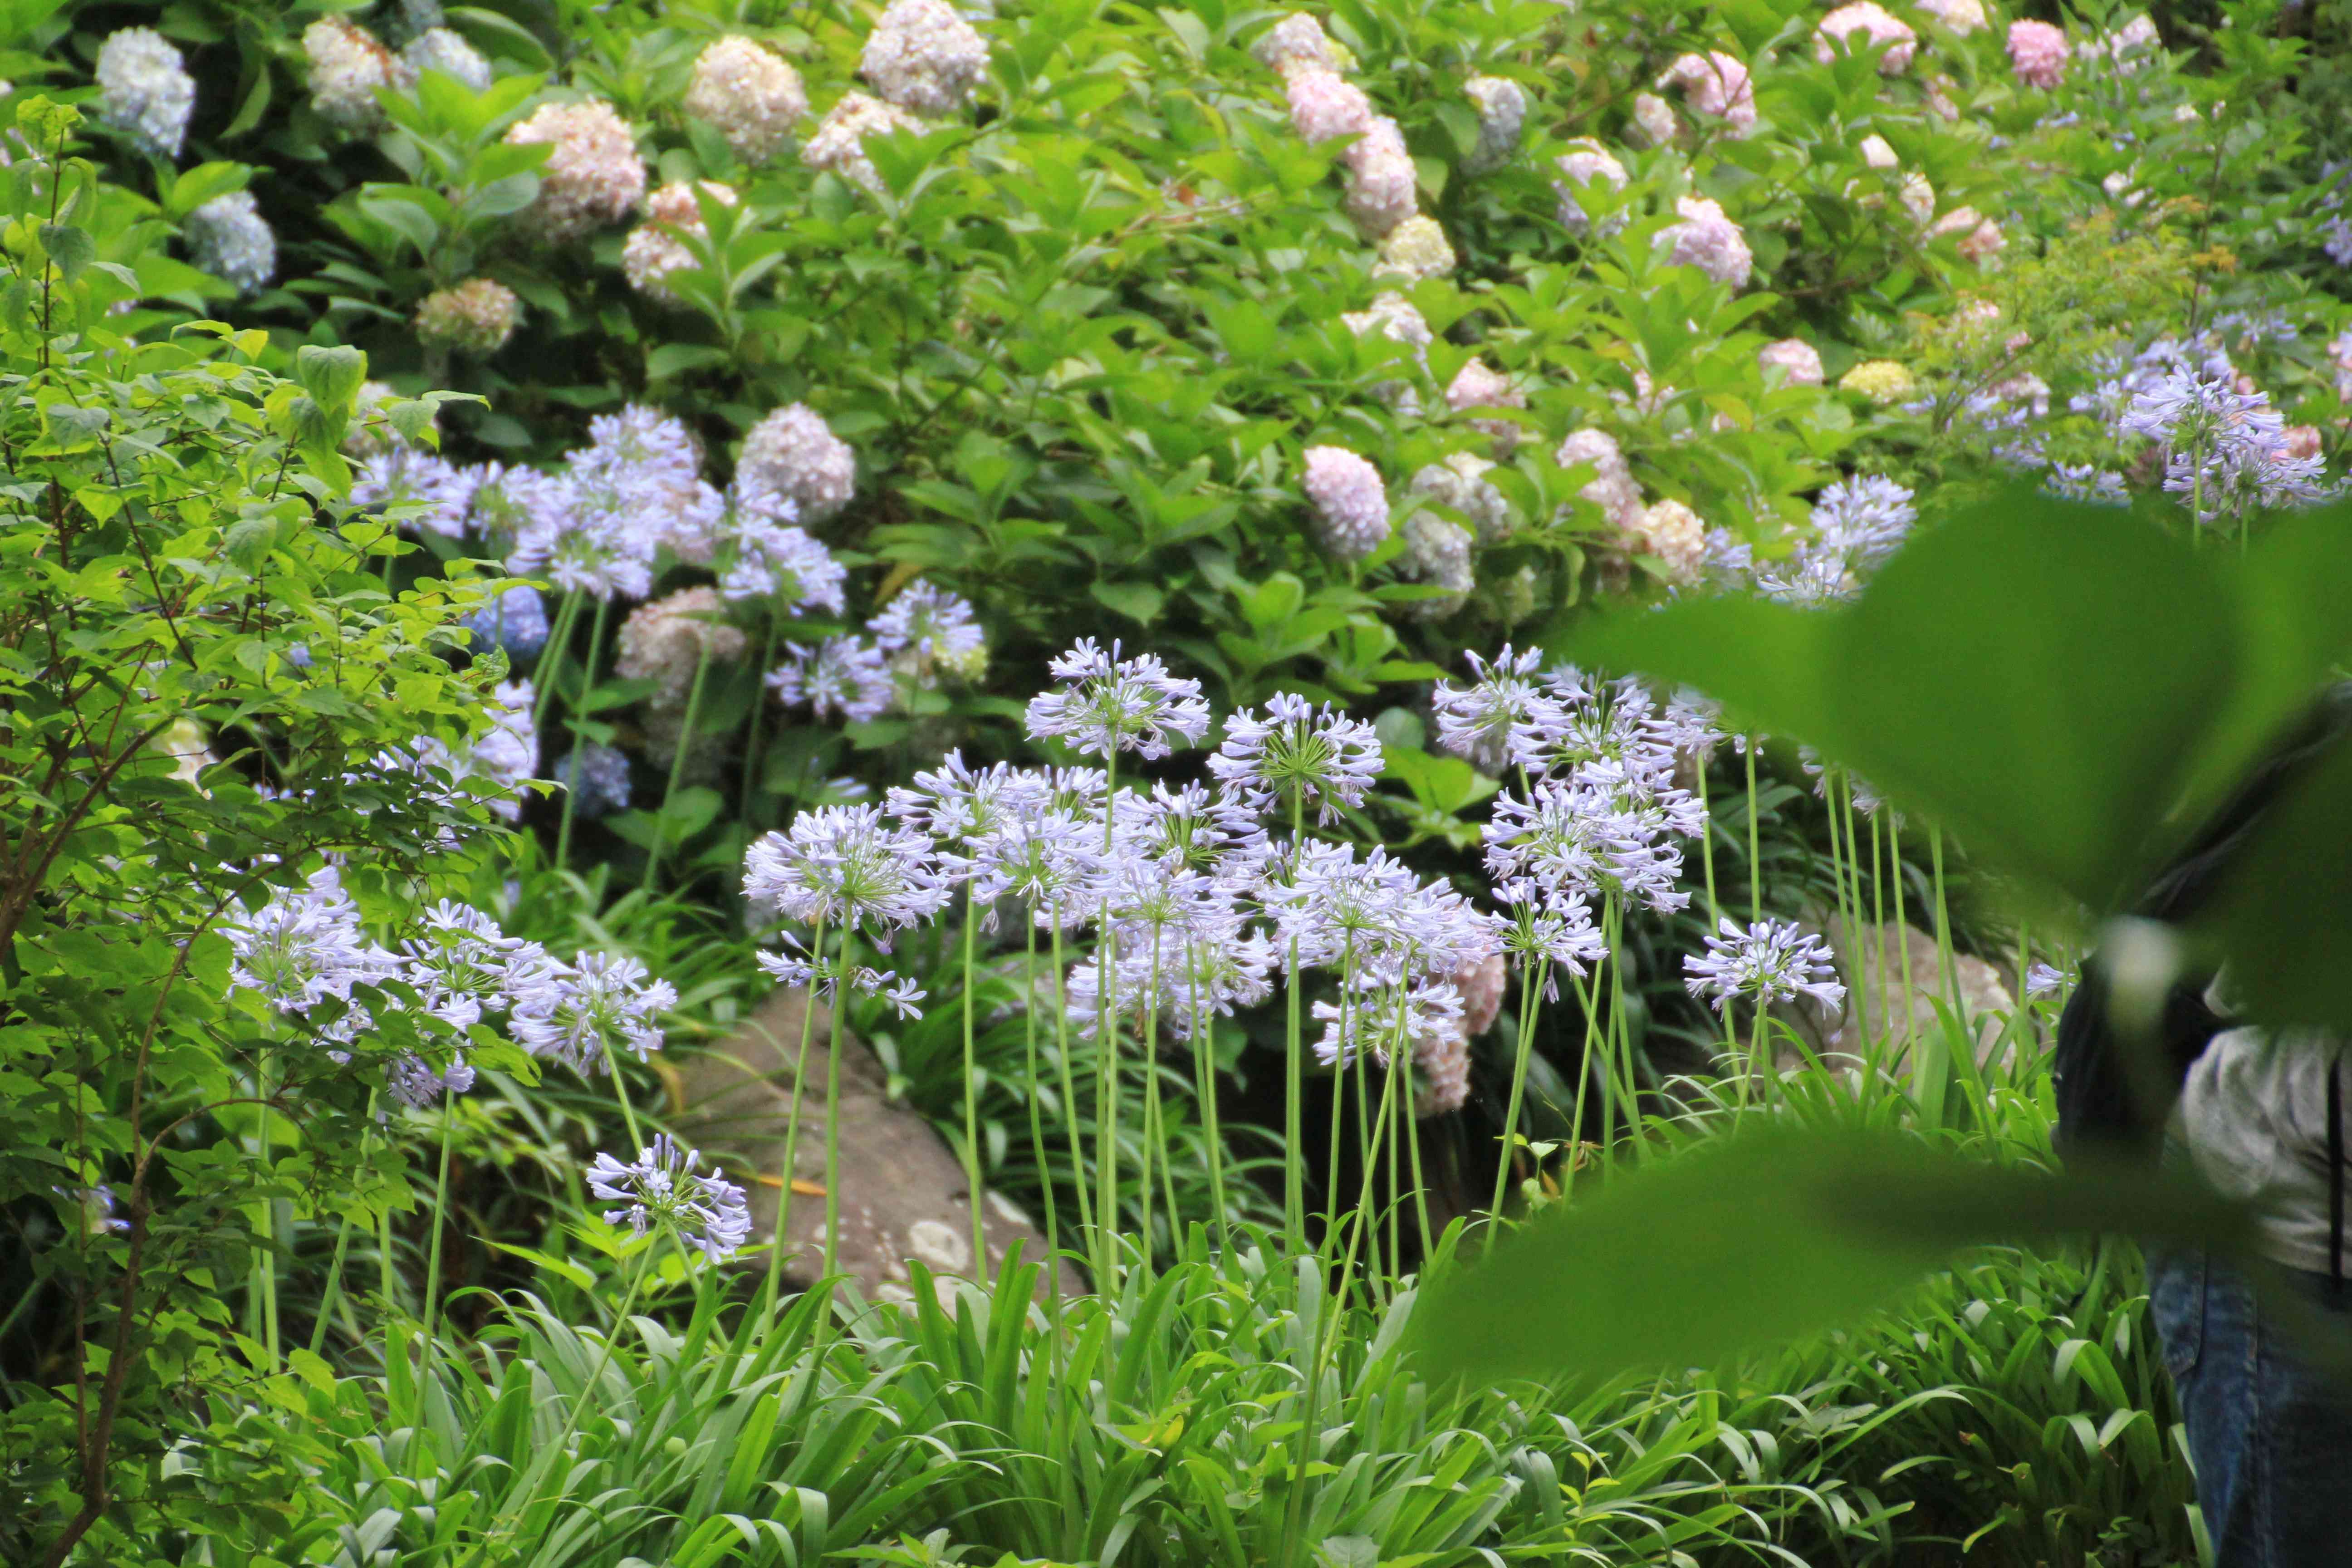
x=1878, y=25
x=2037, y=53
x=1715, y=84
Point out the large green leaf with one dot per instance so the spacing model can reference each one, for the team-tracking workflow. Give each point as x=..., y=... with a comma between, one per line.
x=1755, y=1239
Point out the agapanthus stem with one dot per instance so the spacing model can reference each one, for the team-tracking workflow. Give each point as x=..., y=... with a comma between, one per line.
x=440, y=1223
x=334, y=1291
x=1071, y=1120
x=793, y=1123
x=620, y=1098
x=1586, y=998
x=1037, y=1114
x=1755, y=850
x=972, y=1093
x=1530, y=984
x=1706, y=845
x=265, y=1254
x=558, y=639
x=571, y=785
x=833, y=1120
x=676, y=762
x=1847, y=914
x=1204, y=1071
x=1293, y=1171
x=1106, y=1075
x=1856, y=945
x=752, y=760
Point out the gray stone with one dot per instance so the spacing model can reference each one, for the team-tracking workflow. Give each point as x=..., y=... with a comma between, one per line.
x=1881, y=1003
x=903, y=1193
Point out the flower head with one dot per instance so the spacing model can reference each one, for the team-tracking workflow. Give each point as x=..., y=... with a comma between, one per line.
x=663, y=1188
x=446, y=50
x=1460, y=483
x=228, y=238
x=1502, y=107
x=1323, y=106
x=845, y=867
x=144, y=90
x=668, y=640
x=302, y=946
x=922, y=57
x=1584, y=163
x=599, y=777
x=1298, y=754
x=794, y=454
x=928, y=626
x=587, y=1009
x=2037, y=53
x=750, y=94
x=838, y=145
x=1109, y=704
x=1708, y=240
x=348, y=66
x=514, y=621
x=1715, y=84
x=1503, y=717
x=1382, y=186
x=1768, y=962
x=1880, y=380
x=1414, y=249
x=1793, y=360
x=843, y=675
x=478, y=316
x=593, y=175
x=658, y=246
x=1351, y=504
x=1877, y=25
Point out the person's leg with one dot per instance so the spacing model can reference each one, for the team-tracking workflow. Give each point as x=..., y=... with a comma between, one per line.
x=2204, y=1317
x=2302, y=1442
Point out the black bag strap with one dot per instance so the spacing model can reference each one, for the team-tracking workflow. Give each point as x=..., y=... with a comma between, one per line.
x=2334, y=1178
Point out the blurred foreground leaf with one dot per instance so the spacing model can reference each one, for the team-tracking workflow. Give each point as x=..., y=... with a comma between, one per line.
x=1754, y=1239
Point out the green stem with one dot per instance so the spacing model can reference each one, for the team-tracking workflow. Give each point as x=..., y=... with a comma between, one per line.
x=333, y=1296
x=1755, y=850
x=621, y=1098
x=1530, y=987
x=571, y=785
x=752, y=769
x=792, y=1121
x=678, y=764
x=1036, y=1115
x=559, y=640
x=972, y=1094
x=1294, y=1124
x=1074, y=1124
x=833, y=1124
x=266, y=1254
x=1204, y=1071
x=440, y=1223
x=1707, y=847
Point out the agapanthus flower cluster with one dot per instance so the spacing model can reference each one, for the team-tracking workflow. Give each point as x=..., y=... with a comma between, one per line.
x=922, y=57
x=762, y=554
x=1297, y=755
x=424, y=492
x=593, y=1007
x=593, y=175
x=1350, y=502
x=304, y=946
x=846, y=868
x=144, y=90
x=1107, y=704
x=228, y=238
x=2225, y=448
x=794, y=454
x=750, y=94
x=1768, y=962
x=842, y=677
x=662, y=1189
x=348, y=66
x=596, y=527
x=927, y=629
x=478, y=316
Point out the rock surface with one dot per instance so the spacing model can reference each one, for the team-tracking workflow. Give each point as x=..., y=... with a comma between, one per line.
x=1878, y=997
x=903, y=1194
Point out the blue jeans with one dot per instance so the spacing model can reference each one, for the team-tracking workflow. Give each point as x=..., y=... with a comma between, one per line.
x=2272, y=1440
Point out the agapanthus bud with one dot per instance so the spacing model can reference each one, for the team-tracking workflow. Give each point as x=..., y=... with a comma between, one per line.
x=1962, y=16
x=1383, y=184
x=1866, y=25
x=749, y=94
x=1880, y=380
x=349, y=65
x=1715, y=84
x=228, y=238
x=445, y=50
x=1672, y=533
x=792, y=453
x=144, y=90
x=1479, y=386
x=1585, y=162
x=1710, y=241
x=478, y=316
x=1322, y=106
x=1793, y=360
x=657, y=248
x=593, y=175
x=1612, y=489
x=1459, y=483
x=922, y=57
x=839, y=144
x=2038, y=53
x=1502, y=109
x=1351, y=504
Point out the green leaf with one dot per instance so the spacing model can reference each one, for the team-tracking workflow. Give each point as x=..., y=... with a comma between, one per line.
x=1138, y=601
x=1758, y=1238
x=70, y=250
x=332, y=375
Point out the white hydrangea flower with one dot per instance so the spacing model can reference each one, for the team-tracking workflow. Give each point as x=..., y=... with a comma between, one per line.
x=1654, y=123
x=1383, y=184
x=1322, y=106
x=1795, y=360
x=792, y=453
x=839, y=144
x=1962, y=16
x=1611, y=487
x=1715, y=84
x=446, y=51
x=1351, y=504
x=1585, y=162
x=664, y=641
x=657, y=248
x=1674, y=534
x=1297, y=40
x=349, y=65
x=228, y=238
x=592, y=177
x=1502, y=109
x=1875, y=26
x=1437, y=552
x=751, y=95
x=1394, y=317
x=1710, y=241
x=1478, y=385
x=144, y=90
x=1414, y=249
x=478, y=316
x=922, y=57
x=1459, y=482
